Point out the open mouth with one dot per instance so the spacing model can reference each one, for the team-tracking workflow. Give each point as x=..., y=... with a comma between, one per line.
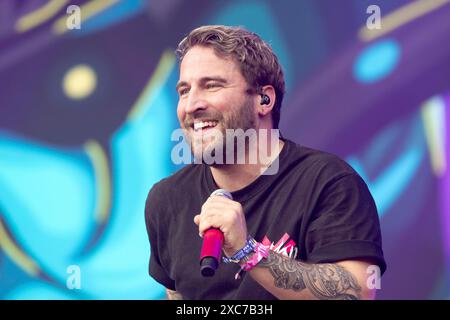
x=203, y=126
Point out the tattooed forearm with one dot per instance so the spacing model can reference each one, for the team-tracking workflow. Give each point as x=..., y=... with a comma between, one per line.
x=173, y=295
x=324, y=281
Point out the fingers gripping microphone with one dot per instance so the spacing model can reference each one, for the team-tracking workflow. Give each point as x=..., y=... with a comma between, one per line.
x=212, y=244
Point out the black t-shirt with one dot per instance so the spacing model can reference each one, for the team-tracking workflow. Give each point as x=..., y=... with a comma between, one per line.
x=316, y=208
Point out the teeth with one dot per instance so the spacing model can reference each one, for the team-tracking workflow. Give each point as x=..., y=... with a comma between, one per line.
x=202, y=124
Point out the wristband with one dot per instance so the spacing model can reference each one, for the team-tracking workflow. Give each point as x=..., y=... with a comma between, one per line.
x=245, y=251
x=261, y=252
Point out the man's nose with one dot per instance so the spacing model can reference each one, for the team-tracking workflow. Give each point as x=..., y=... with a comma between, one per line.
x=195, y=102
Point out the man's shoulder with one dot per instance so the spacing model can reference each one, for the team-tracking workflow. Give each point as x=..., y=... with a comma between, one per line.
x=319, y=161
x=184, y=178
x=171, y=189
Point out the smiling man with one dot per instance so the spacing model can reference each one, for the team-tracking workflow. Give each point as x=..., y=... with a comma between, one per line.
x=310, y=230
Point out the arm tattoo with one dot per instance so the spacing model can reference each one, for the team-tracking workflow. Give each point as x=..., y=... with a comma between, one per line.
x=325, y=281
x=173, y=295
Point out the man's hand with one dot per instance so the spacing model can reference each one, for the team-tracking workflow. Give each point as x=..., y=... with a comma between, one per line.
x=227, y=215
x=173, y=295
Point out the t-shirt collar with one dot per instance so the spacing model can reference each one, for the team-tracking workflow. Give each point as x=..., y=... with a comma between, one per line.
x=261, y=183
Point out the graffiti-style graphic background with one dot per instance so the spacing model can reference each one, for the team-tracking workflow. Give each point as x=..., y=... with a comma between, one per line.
x=86, y=118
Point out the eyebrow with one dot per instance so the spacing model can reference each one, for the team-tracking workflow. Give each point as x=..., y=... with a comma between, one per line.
x=202, y=80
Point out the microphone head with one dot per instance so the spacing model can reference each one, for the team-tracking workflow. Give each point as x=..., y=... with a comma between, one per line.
x=223, y=193
x=208, y=266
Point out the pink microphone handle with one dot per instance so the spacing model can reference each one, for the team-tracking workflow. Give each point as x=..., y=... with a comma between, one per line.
x=212, y=244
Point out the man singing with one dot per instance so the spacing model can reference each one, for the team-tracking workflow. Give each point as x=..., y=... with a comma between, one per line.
x=307, y=230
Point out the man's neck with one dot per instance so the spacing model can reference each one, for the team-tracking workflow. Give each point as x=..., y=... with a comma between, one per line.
x=237, y=176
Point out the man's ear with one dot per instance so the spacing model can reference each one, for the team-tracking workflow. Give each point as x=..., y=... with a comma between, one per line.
x=267, y=98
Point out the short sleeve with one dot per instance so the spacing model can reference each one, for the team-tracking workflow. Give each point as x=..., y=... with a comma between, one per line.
x=152, y=220
x=344, y=224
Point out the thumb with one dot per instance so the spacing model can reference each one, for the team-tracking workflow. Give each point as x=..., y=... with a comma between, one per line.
x=197, y=219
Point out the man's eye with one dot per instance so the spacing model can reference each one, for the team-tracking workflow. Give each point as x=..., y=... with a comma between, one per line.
x=183, y=91
x=212, y=85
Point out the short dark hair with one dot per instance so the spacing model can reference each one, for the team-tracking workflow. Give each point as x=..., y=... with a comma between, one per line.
x=258, y=63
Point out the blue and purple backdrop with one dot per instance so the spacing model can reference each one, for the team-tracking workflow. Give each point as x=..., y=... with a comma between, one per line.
x=86, y=117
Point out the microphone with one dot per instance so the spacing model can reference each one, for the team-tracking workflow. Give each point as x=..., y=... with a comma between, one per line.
x=212, y=244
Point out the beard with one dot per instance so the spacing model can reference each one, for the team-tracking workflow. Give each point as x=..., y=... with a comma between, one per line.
x=214, y=148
